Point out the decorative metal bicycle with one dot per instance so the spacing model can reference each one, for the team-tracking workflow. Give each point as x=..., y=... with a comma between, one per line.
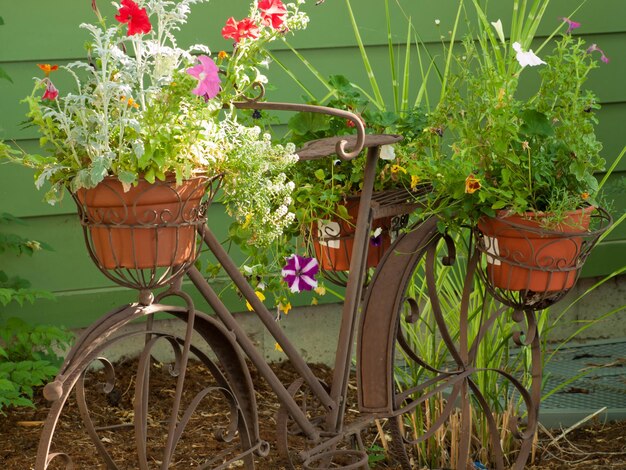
x=312, y=430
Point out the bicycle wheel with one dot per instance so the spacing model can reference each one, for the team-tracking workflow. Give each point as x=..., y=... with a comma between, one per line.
x=427, y=342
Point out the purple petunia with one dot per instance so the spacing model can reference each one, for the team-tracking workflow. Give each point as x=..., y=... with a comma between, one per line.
x=571, y=25
x=376, y=238
x=595, y=48
x=299, y=273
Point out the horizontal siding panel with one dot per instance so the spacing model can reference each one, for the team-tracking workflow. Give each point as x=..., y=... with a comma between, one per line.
x=76, y=309
x=28, y=21
x=345, y=61
x=606, y=259
x=68, y=266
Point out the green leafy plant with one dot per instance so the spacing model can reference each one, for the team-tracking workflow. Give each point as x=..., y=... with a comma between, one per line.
x=30, y=354
x=495, y=352
x=322, y=184
x=142, y=107
x=491, y=148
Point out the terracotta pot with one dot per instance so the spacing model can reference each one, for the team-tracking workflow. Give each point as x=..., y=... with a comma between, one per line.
x=523, y=256
x=333, y=240
x=148, y=226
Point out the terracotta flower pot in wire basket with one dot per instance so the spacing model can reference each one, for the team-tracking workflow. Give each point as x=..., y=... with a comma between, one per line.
x=529, y=266
x=149, y=235
x=333, y=241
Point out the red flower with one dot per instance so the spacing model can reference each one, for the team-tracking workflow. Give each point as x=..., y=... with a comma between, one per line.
x=272, y=12
x=237, y=30
x=51, y=92
x=136, y=17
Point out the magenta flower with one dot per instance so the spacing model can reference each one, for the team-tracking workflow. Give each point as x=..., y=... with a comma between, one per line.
x=208, y=77
x=51, y=92
x=571, y=25
x=594, y=48
x=299, y=273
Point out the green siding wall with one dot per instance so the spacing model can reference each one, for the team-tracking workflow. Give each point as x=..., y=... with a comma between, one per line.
x=47, y=32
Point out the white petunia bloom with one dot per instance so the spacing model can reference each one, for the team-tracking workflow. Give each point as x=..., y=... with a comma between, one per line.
x=387, y=152
x=497, y=25
x=526, y=58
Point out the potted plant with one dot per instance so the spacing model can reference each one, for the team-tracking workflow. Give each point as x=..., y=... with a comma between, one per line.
x=326, y=199
x=518, y=166
x=143, y=133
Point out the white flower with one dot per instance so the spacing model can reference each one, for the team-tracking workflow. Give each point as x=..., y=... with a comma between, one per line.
x=387, y=152
x=437, y=22
x=526, y=58
x=497, y=25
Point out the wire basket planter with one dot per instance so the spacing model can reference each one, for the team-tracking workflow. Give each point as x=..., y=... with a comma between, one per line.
x=333, y=241
x=149, y=235
x=527, y=266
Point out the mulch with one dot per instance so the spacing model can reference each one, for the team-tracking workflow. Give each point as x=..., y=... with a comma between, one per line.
x=596, y=446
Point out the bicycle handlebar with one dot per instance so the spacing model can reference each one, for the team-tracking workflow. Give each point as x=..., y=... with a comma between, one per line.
x=340, y=147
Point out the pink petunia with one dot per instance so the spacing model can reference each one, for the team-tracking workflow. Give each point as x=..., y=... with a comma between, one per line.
x=135, y=17
x=595, y=48
x=571, y=25
x=299, y=273
x=51, y=92
x=238, y=30
x=273, y=13
x=208, y=77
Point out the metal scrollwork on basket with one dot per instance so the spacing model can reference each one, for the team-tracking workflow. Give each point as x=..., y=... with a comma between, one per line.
x=148, y=235
x=528, y=266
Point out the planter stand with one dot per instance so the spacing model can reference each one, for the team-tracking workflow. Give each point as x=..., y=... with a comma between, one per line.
x=312, y=431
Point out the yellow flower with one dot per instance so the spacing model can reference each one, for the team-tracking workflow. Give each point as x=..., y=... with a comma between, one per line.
x=585, y=196
x=320, y=290
x=222, y=55
x=525, y=145
x=277, y=347
x=472, y=184
x=284, y=307
x=396, y=169
x=414, y=181
x=314, y=301
x=247, y=221
x=261, y=297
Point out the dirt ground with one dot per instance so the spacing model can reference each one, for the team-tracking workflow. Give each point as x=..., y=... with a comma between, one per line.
x=596, y=446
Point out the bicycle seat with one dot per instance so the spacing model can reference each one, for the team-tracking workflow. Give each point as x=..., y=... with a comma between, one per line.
x=324, y=147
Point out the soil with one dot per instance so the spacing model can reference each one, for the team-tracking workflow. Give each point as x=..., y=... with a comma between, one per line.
x=596, y=446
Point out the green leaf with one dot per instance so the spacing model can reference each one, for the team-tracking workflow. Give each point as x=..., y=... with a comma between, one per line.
x=536, y=124
x=150, y=176
x=4, y=75
x=305, y=123
x=343, y=212
x=320, y=175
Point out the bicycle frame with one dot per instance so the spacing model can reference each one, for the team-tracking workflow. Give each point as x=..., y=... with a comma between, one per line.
x=334, y=401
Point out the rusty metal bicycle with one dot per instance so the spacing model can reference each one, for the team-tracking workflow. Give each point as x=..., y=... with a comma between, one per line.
x=312, y=430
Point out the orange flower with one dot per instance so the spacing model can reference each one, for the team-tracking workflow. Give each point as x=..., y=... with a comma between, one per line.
x=47, y=68
x=129, y=101
x=472, y=184
x=222, y=55
x=585, y=196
